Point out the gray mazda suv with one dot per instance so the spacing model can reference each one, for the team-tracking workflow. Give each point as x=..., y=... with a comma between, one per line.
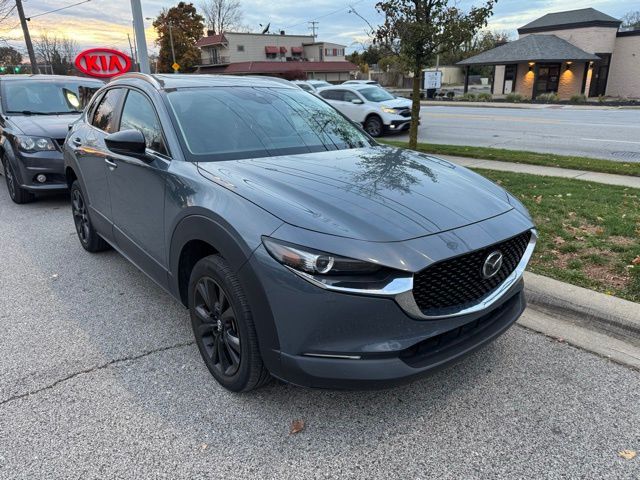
x=303, y=249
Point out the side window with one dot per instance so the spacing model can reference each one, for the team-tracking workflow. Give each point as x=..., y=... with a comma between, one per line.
x=349, y=96
x=138, y=113
x=104, y=114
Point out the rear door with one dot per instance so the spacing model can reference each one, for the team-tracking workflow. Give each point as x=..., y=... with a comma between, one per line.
x=137, y=188
x=87, y=143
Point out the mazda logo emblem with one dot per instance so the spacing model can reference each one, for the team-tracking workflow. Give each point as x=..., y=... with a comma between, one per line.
x=492, y=264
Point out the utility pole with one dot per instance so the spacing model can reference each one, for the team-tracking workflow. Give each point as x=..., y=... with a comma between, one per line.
x=141, y=40
x=27, y=37
x=313, y=26
x=173, y=52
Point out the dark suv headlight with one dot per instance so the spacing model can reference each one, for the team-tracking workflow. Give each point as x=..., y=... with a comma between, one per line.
x=28, y=143
x=338, y=273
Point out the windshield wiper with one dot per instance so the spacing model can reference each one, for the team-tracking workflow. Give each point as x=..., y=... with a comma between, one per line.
x=33, y=112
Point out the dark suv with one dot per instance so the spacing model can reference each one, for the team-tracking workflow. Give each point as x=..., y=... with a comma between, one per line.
x=302, y=248
x=36, y=111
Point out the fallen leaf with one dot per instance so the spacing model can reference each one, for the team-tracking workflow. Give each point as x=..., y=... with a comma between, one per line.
x=636, y=261
x=600, y=219
x=558, y=240
x=204, y=446
x=296, y=427
x=599, y=231
x=572, y=214
x=627, y=454
x=537, y=199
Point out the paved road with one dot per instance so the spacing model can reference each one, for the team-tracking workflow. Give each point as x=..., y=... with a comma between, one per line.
x=99, y=378
x=611, y=133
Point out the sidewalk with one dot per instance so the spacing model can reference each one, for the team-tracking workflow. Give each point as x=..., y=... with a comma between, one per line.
x=608, y=178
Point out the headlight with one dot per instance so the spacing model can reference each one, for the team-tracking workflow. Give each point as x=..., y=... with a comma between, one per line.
x=388, y=110
x=315, y=262
x=34, y=144
x=340, y=274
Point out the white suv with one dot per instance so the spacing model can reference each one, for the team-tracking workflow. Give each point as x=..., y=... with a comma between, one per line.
x=375, y=108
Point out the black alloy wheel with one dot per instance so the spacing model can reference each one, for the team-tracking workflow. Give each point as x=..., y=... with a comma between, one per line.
x=89, y=238
x=18, y=194
x=80, y=216
x=223, y=326
x=216, y=329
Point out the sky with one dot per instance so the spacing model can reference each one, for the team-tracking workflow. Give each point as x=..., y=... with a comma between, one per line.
x=105, y=23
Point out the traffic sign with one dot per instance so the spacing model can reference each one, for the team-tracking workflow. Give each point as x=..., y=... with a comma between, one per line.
x=175, y=66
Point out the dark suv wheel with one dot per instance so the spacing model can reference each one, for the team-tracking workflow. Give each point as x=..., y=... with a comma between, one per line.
x=373, y=126
x=18, y=195
x=223, y=326
x=89, y=238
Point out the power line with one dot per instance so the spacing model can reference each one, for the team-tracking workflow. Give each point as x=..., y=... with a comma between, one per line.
x=57, y=9
x=342, y=9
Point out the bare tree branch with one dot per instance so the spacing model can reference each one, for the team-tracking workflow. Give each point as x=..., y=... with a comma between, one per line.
x=222, y=15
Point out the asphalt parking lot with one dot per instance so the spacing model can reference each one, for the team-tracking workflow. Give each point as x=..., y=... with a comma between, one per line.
x=99, y=377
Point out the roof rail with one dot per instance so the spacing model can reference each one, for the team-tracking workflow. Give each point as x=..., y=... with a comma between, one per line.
x=147, y=77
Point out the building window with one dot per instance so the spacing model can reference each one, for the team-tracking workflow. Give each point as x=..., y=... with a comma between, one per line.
x=272, y=55
x=241, y=48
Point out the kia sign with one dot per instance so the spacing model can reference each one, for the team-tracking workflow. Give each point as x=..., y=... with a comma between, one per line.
x=103, y=62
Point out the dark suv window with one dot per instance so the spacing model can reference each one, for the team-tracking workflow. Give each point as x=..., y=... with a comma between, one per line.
x=103, y=115
x=332, y=94
x=139, y=114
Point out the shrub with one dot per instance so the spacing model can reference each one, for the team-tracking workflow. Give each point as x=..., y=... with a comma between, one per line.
x=548, y=98
x=468, y=97
x=451, y=94
x=485, y=97
x=514, y=97
x=578, y=98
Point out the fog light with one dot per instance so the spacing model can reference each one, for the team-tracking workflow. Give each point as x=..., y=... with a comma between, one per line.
x=41, y=178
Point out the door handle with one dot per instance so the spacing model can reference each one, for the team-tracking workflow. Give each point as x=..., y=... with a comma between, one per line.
x=77, y=141
x=110, y=163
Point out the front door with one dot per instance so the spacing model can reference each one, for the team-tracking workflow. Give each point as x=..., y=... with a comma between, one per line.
x=599, y=75
x=547, y=78
x=137, y=188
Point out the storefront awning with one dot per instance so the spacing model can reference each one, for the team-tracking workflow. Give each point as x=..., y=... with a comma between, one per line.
x=271, y=49
x=297, y=49
x=532, y=48
x=283, y=49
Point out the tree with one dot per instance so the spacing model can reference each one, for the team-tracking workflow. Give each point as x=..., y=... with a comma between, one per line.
x=222, y=15
x=631, y=19
x=422, y=29
x=186, y=29
x=10, y=56
x=57, y=53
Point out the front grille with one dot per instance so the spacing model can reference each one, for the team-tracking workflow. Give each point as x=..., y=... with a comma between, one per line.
x=459, y=281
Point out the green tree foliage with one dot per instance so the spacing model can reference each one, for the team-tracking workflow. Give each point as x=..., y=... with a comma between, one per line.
x=422, y=29
x=187, y=27
x=10, y=56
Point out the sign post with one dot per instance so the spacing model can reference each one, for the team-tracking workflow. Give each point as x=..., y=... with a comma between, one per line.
x=141, y=41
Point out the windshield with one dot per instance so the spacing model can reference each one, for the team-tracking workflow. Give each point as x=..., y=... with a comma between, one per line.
x=47, y=97
x=376, y=94
x=231, y=123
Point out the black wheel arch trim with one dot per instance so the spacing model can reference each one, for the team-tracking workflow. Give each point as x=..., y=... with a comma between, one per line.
x=223, y=238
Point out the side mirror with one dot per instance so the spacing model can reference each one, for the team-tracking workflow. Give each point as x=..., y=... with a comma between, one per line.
x=357, y=101
x=127, y=142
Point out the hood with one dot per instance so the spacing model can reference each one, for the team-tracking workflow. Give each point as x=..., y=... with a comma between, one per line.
x=376, y=194
x=397, y=103
x=51, y=126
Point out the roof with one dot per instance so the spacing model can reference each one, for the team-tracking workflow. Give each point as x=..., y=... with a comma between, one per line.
x=51, y=78
x=281, y=67
x=585, y=17
x=211, y=40
x=532, y=48
x=181, y=80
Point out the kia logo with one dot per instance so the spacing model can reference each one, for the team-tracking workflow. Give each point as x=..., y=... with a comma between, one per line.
x=103, y=62
x=492, y=264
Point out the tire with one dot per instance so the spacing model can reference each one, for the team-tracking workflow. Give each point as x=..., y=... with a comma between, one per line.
x=223, y=326
x=89, y=238
x=373, y=126
x=18, y=194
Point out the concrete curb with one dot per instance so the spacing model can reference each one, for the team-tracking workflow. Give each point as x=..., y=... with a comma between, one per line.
x=595, y=310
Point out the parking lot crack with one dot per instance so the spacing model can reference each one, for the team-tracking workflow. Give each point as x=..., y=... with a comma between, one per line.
x=115, y=361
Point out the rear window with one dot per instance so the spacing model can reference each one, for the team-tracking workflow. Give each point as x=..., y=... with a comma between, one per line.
x=225, y=123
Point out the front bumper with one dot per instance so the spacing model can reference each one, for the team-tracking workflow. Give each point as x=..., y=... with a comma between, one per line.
x=329, y=339
x=30, y=165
